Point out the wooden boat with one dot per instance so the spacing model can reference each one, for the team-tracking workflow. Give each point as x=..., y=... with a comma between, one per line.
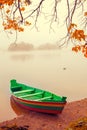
x=36, y=99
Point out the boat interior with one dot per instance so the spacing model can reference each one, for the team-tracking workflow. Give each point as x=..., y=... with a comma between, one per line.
x=30, y=93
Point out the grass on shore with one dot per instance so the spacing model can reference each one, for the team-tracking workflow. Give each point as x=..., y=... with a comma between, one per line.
x=80, y=124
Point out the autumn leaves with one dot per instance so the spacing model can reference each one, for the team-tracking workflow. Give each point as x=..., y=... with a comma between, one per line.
x=12, y=14
x=82, y=48
x=75, y=33
x=12, y=24
x=80, y=36
x=6, y=2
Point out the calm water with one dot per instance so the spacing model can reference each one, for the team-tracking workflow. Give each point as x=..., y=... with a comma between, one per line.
x=62, y=72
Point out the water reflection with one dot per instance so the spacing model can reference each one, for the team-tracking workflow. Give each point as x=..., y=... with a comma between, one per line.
x=22, y=57
x=16, y=108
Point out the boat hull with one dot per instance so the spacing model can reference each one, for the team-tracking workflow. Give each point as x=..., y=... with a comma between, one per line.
x=44, y=107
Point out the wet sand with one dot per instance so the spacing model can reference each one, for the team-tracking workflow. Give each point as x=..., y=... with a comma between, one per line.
x=38, y=121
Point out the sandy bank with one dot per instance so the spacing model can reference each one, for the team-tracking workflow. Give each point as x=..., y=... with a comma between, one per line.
x=39, y=121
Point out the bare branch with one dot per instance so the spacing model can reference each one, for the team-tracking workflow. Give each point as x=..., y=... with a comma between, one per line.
x=37, y=9
x=20, y=11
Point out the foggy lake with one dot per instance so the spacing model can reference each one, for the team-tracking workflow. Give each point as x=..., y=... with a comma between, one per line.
x=62, y=72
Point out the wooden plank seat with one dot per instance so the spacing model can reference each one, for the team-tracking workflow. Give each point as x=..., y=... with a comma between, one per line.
x=23, y=91
x=30, y=95
x=40, y=99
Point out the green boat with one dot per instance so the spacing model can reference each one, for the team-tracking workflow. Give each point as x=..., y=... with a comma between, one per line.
x=35, y=99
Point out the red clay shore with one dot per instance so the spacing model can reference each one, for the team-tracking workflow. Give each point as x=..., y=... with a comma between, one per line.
x=38, y=121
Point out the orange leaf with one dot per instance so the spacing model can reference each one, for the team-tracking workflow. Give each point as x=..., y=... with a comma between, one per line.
x=20, y=29
x=7, y=11
x=85, y=55
x=27, y=23
x=22, y=9
x=75, y=49
x=85, y=14
x=72, y=25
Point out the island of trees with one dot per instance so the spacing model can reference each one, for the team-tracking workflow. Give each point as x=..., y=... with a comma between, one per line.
x=20, y=47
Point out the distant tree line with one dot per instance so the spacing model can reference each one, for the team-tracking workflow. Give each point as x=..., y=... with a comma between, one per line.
x=27, y=47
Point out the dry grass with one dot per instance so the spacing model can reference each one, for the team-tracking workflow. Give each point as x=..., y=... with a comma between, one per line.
x=80, y=124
